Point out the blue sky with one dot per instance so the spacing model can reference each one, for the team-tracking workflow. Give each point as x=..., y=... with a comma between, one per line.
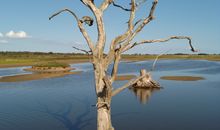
x=24, y=25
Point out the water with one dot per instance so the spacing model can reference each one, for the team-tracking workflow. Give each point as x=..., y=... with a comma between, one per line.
x=66, y=103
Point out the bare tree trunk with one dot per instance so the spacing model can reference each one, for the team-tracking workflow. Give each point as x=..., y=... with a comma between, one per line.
x=104, y=118
x=103, y=91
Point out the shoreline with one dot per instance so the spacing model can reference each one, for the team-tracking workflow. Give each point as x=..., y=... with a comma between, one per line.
x=35, y=76
x=31, y=64
x=87, y=61
x=38, y=76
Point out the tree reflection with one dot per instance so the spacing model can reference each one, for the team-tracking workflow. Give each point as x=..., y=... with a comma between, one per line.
x=64, y=115
x=143, y=94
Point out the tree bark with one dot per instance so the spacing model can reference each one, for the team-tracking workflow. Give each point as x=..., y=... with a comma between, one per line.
x=104, y=118
x=103, y=91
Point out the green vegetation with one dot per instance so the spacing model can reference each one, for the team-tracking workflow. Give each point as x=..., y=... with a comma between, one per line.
x=136, y=57
x=11, y=59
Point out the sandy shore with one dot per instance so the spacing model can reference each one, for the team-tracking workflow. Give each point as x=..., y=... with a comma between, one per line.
x=38, y=76
x=182, y=78
x=34, y=76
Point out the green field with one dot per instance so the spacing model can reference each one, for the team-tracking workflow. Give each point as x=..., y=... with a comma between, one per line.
x=11, y=59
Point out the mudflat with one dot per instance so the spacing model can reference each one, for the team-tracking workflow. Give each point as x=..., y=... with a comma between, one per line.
x=182, y=78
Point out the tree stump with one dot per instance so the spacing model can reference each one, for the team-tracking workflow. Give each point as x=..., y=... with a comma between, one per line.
x=146, y=81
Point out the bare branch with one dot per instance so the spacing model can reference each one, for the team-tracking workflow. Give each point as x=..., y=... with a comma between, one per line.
x=163, y=40
x=142, y=25
x=109, y=86
x=115, y=66
x=87, y=52
x=130, y=83
x=155, y=61
x=119, y=6
x=64, y=10
x=105, y=4
x=82, y=30
x=137, y=22
x=122, y=37
x=100, y=26
x=148, y=19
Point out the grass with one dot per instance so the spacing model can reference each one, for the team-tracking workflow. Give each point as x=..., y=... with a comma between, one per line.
x=210, y=57
x=13, y=59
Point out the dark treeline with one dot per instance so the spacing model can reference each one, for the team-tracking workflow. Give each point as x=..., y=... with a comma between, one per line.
x=30, y=54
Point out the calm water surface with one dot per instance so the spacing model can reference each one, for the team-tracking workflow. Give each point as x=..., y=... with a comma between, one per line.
x=66, y=103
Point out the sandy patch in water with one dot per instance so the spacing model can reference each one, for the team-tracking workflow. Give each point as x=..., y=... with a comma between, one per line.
x=34, y=76
x=182, y=78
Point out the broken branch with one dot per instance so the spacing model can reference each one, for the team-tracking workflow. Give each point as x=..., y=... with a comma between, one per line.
x=115, y=92
x=105, y=5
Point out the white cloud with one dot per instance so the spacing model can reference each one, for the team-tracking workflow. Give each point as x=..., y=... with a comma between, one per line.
x=1, y=35
x=20, y=34
x=3, y=41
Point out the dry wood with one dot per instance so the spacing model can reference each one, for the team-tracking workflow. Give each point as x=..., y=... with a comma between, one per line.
x=130, y=83
x=162, y=40
x=146, y=81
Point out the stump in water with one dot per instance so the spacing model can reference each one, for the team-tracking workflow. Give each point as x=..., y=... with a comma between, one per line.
x=146, y=81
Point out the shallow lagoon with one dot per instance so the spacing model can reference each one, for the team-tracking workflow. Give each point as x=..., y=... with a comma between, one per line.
x=66, y=103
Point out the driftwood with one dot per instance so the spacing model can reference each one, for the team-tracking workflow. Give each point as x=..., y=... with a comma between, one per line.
x=146, y=81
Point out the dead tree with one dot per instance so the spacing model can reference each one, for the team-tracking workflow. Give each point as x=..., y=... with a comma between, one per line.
x=122, y=43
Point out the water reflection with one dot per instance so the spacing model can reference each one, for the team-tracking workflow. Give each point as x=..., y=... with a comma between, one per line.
x=65, y=105
x=71, y=120
x=143, y=94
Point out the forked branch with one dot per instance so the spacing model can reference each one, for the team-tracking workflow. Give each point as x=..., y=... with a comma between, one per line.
x=145, y=21
x=105, y=4
x=80, y=25
x=100, y=24
x=121, y=38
